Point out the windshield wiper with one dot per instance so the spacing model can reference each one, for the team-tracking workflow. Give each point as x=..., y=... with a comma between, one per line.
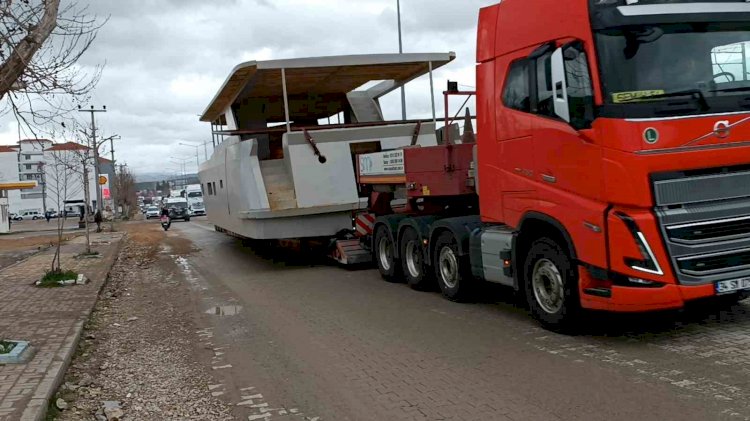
x=695, y=93
x=737, y=89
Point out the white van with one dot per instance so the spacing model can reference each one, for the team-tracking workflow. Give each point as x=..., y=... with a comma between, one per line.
x=29, y=214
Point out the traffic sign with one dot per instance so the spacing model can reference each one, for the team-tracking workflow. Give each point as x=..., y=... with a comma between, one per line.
x=102, y=180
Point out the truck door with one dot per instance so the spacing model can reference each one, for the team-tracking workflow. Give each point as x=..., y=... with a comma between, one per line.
x=515, y=158
x=565, y=161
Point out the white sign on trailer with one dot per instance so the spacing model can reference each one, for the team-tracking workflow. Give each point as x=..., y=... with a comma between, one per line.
x=382, y=163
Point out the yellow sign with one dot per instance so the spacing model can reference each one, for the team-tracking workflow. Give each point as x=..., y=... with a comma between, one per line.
x=102, y=180
x=635, y=96
x=21, y=185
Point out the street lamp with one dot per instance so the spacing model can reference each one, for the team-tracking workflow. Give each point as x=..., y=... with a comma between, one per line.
x=401, y=51
x=197, y=162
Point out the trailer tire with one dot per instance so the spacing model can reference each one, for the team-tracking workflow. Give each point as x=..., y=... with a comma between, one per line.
x=384, y=254
x=453, y=271
x=551, y=285
x=413, y=264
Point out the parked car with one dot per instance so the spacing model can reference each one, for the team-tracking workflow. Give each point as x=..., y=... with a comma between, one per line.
x=13, y=216
x=33, y=215
x=152, y=212
x=72, y=213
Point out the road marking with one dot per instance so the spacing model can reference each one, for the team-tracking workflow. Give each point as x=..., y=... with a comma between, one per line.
x=221, y=367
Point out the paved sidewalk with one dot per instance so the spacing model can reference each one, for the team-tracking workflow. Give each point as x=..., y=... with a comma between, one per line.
x=51, y=319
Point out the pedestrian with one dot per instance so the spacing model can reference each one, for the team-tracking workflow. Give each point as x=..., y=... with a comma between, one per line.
x=98, y=220
x=48, y=216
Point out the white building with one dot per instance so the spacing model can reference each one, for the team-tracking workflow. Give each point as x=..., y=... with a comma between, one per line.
x=9, y=171
x=56, y=167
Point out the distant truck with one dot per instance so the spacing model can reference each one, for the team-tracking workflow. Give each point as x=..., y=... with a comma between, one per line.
x=194, y=195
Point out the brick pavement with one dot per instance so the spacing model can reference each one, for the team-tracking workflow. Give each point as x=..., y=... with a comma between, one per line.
x=51, y=319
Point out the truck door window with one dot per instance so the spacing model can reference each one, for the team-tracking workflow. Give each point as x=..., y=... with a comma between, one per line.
x=516, y=93
x=730, y=63
x=544, y=85
x=580, y=91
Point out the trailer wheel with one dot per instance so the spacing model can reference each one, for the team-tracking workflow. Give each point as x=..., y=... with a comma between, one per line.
x=451, y=269
x=385, y=255
x=551, y=285
x=413, y=262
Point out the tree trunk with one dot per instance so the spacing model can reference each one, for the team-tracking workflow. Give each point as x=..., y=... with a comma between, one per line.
x=13, y=68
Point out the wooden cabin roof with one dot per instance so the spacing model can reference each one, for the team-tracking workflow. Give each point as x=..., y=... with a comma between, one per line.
x=320, y=76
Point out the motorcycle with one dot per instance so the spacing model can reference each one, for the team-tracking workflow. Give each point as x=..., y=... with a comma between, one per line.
x=165, y=222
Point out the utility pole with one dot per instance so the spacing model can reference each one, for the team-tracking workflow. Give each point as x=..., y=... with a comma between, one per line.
x=95, y=148
x=43, y=182
x=401, y=51
x=112, y=185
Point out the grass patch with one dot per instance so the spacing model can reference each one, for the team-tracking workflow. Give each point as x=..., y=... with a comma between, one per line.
x=52, y=278
x=93, y=253
x=6, y=347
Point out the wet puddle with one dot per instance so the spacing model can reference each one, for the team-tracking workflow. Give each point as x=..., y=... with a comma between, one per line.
x=224, y=310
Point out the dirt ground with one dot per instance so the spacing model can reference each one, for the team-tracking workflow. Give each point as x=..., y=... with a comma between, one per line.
x=14, y=248
x=138, y=353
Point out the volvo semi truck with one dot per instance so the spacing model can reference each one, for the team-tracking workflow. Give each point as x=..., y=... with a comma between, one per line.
x=611, y=168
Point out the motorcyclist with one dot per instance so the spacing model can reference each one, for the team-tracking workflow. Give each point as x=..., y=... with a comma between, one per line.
x=165, y=216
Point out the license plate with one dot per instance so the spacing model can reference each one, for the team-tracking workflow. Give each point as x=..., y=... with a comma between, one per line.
x=725, y=287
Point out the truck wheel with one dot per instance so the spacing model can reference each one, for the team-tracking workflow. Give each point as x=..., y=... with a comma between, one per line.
x=385, y=255
x=551, y=285
x=412, y=261
x=451, y=269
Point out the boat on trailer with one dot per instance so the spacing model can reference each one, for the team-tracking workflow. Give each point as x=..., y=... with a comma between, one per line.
x=287, y=134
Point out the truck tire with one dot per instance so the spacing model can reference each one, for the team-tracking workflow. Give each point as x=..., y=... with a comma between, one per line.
x=413, y=263
x=385, y=255
x=551, y=285
x=453, y=271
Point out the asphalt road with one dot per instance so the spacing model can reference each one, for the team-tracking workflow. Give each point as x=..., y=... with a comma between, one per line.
x=291, y=341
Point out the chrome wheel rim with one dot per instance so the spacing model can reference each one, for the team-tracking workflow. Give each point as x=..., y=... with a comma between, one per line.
x=413, y=259
x=548, y=287
x=448, y=264
x=384, y=253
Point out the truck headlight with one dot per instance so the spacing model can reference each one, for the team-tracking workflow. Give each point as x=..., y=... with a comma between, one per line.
x=648, y=263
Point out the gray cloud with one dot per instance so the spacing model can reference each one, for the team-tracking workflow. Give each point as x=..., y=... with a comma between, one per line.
x=165, y=59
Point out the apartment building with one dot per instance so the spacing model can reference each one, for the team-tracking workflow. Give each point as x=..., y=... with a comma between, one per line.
x=58, y=170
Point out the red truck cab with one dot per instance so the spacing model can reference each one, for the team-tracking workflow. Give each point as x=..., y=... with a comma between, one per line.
x=619, y=131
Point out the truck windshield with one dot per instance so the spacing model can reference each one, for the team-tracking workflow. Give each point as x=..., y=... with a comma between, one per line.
x=675, y=69
x=195, y=194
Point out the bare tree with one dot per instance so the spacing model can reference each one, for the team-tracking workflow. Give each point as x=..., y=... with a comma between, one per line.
x=61, y=173
x=41, y=42
x=126, y=193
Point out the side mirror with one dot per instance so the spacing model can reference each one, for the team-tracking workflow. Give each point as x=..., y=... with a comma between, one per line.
x=560, y=85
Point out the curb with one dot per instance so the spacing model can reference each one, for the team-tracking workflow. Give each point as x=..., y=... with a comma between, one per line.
x=36, y=409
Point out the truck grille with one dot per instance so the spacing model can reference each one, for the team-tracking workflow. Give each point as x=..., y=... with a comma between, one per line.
x=705, y=220
x=715, y=263
x=710, y=231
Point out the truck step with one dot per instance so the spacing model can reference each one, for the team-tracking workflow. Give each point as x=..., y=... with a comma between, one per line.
x=351, y=252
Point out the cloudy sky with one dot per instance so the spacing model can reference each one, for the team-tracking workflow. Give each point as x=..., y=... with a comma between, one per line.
x=165, y=59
